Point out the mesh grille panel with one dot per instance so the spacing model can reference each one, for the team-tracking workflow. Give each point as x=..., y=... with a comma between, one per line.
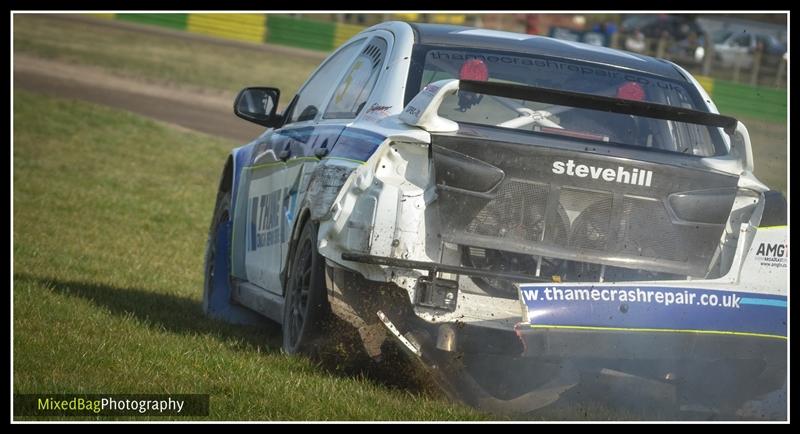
x=583, y=221
x=516, y=212
x=646, y=230
x=590, y=213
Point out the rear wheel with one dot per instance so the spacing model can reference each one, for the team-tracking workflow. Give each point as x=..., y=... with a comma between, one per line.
x=306, y=307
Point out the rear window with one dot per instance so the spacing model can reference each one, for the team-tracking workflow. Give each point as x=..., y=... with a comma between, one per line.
x=437, y=63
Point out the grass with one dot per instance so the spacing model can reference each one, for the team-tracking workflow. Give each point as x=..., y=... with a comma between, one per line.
x=110, y=219
x=158, y=58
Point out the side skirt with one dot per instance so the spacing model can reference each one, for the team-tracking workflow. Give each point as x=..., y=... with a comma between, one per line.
x=264, y=302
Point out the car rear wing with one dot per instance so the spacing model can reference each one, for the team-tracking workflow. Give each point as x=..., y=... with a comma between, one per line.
x=423, y=109
x=597, y=102
x=427, y=103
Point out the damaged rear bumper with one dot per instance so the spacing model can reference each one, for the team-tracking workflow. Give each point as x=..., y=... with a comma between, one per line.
x=717, y=373
x=596, y=343
x=481, y=361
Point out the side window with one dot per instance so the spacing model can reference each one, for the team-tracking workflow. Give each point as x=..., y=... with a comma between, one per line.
x=313, y=94
x=353, y=91
x=742, y=40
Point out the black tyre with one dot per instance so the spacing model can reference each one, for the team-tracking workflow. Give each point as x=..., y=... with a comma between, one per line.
x=222, y=214
x=306, y=310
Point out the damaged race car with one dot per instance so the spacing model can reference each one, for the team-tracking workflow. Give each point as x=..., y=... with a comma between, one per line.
x=518, y=213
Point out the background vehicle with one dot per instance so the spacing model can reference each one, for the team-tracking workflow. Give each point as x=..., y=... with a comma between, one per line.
x=733, y=48
x=678, y=27
x=444, y=187
x=685, y=33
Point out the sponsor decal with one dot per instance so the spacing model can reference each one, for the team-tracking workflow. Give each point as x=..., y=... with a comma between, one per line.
x=772, y=255
x=264, y=220
x=413, y=111
x=376, y=112
x=376, y=108
x=621, y=174
x=654, y=307
x=550, y=66
x=431, y=89
x=633, y=295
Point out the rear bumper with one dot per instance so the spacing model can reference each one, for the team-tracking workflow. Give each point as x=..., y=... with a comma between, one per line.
x=631, y=370
x=644, y=345
x=720, y=370
x=558, y=343
x=713, y=369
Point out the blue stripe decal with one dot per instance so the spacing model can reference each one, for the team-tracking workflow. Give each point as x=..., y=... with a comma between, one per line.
x=655, y=307
x=356, y=144
x=349, y=143
x=763, y=302
x=241, y=158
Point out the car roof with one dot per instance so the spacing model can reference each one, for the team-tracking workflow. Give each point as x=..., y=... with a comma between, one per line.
x=462, y=36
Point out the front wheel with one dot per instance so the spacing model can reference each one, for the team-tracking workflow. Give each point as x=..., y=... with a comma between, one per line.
x=221, y=216
x=306, y=306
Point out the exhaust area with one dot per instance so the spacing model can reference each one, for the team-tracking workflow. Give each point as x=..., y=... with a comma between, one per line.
x=526, y=388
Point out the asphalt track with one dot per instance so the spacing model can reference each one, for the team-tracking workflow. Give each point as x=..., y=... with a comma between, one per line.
x=208, y=114
x=211, y=114
x=196, y=110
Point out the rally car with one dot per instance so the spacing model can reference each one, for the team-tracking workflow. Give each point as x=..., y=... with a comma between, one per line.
x=468, y=193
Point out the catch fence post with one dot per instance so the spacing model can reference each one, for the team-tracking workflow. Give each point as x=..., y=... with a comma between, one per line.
x=661, y=47
x=757, y=54
x=781, y=70
x=708, y=55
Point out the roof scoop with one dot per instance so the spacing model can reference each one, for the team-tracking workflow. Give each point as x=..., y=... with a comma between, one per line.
x=423, y=110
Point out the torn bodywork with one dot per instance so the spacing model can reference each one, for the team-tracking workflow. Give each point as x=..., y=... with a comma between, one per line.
x=437, y=240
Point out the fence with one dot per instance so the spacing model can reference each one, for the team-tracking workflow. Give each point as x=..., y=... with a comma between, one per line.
x=258, y=28
x=748, y=82
x=754, y=65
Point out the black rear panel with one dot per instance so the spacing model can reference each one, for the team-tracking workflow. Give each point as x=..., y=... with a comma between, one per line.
x=581, y=206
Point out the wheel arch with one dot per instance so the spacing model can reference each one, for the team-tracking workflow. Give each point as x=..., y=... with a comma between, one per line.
x=303, y=217
x=237, y=160
x=226, y=180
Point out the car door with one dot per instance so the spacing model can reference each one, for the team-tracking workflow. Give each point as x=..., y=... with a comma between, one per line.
x=276, y=173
